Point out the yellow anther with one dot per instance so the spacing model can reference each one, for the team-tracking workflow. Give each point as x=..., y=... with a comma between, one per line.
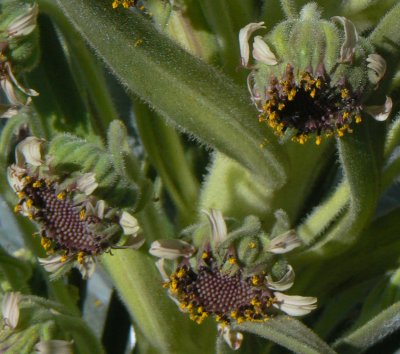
x=313, y=93
x=292, y=94
x=273, y=115
x=20, y=195
x=232, y=260
x=115, y=4
x=241, y=320
x=46, y=243
x=200, y=310
x=181, y=273
x=81, y=256
x=204, y=255
x=255, y=280
x=82, y=214
x=281, y=106
x=17, y=208
x=340, y=133
x=234, y=314
x=318, y=83
x=30, y=216
x=345, y=115
x=189, y=307
x=182, y=306
x=255, y=302
x=344, y=93
x=358, y=119
x=37, y=184
x=318, y=140
x=29, y=203
x=28, y=179
x=302, y=139
x=63, y=258
x=61, y=195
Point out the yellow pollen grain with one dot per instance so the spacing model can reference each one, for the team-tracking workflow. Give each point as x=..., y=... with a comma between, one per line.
x=255, y=280
x=241, y=319
x=344, y=93
x=281, y=106
x=340, y=133
x=318, y=140
x=313, y=93
x=30, y=216
x=252, y=245
x=46, y=243
x=28, y=179
x=302, y=139
x=82, y=214
x=292, y=94
x=273, y=115
x=17, y=208
x=138, y=43
x=63, y=258
x=345, y=115
x=115, y=4
x=61, y=195
x=20, y=195
x=358, y=119
x=180, y=273
x=318, y=83
x=37, y=184
x=200, y=310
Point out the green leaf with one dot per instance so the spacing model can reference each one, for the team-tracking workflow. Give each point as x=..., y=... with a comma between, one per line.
x=372, y=332
x=289, y=333
x=196, y=97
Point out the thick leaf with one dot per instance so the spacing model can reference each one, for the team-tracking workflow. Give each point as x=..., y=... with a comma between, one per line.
x=289, y=333
x=372, y=332
x=196, y=97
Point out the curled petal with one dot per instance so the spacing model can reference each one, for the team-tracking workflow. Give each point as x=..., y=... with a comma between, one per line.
x=284, y=243
x=350, y=39
x=10, y=309
x=9, y=90
x=378, y=66
x=87, y=183
x=87, y=267
x=54, y=346
x=171, y=249
x=24, y=24
x=54, y=263
x=232, y=338
x=133, y=242
x=218, y=226
x=14, y=177
x=295, y=305
x=244, y=36
x=380, y=113
x=26, y=91
x=284, y=283
x=262, y=53
x=129, y=224
x=29, y=151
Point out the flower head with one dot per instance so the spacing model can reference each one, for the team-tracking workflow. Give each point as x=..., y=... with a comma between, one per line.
x=311, y=78
x=232, y=277
x=75, y=226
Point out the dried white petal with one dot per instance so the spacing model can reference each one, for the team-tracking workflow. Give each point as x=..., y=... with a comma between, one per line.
x=87, y=183
x=350, y=39
x=171, y=249
x=161, y=268
x=295, y=305
x=262, y=52
x=378, y=66
x=244, y=36
x=380, y=113
x=284, y=243
x=129, y=224
x=99, y=209
x=54, y=346
x=9, y=90
x=24, y=24
x=10, y=309
x=29, y=151
x=8, y=111
x=218, y=226
x=87, y=267
x=26, y=91
x=54, y=263
x=284, y=283
x=15, y=181
x=233, y=338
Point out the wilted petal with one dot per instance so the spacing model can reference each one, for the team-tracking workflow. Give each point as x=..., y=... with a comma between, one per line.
x=87, y=267
x=133, y=242
x=171, y=249
x=380, y=113
x=14, y=178
x=9, y=90
x=29, y=151
x=378, y=65
x=350, y=39
x=161, y=268
x=24, y=24
x=99, y=209
x=295, y=305
x=284, y=243
x=54, y=263
x=262, y=52
x=218, y=226
x=244, y=36
x=129, y=224
x=87, y=183
x=26, y=91
x=10, y=309
x=284, y=283
x=232, y=338
x=54, y=346
x=8, y=111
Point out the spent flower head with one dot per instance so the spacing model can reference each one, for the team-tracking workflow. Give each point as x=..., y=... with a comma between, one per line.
x=311, y=77
x=234, y=276
x=75, y=226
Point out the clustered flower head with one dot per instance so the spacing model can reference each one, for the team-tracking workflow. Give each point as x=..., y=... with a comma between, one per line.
x=75, y=226
x=233, y=277
x=310, y=79
x=16, y=51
